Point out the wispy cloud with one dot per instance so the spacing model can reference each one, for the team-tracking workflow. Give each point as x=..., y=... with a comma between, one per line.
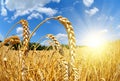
x=76, y=2
x=46, y=43
x=56, y=1
x=105, y=18
x=88, y=3
x=61, y=38
x=6, y=18
x=35, y=15
x=3, y=9
x=19, y=31
x=92, y=11
x=26, y=7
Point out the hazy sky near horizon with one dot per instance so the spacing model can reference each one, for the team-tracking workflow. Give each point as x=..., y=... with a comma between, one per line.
x=101, y=17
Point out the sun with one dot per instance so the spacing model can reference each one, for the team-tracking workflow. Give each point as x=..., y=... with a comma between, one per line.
x=94, y=40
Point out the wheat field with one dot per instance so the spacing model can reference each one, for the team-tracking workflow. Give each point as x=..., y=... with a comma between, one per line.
x=75, y=64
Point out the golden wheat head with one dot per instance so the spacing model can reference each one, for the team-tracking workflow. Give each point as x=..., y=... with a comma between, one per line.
x=26, y=33
x=12, y=40
x=72, y=43
x=71, y=36
x=56, y=42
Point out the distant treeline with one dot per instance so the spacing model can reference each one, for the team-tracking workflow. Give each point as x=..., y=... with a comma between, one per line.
x=33, y=45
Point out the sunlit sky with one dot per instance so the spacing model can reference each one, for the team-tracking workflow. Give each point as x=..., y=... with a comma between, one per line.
x=88, y=17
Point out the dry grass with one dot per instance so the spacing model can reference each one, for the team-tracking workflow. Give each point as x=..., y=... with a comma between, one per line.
x=102, y=64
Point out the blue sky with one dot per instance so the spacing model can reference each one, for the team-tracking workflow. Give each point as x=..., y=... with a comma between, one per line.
x=87, y=17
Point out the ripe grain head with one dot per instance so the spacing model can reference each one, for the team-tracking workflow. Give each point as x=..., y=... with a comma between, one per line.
x=26, y=33
x=72, y=45
x=56, y=42
x=12, y=40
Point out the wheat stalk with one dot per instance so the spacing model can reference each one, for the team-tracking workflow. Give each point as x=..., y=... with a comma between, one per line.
x=54, y=40
x=26, y=33
x=11, y=29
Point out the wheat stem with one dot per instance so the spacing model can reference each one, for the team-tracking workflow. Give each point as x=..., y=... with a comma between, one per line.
x=11, y=29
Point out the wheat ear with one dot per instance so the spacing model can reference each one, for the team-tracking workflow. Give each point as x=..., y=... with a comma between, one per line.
x=26, y=33
x=56, y=42
x=12, y=40
x=72, y=43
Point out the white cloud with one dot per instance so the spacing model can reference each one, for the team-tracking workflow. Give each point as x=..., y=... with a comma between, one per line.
x=92, y=11
x=20, y=13
x=1, y=36
x=76, y=2
x=88, y=3
x=47, y=11
x=27, y=7
x=3, y=9
x=35, y=15
x=19, y=31
x=56, y=1
x=61, y=37
x=46, y=42
x=6, y=18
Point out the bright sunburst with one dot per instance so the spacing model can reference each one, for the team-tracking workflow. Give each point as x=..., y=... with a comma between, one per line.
x=94, y=40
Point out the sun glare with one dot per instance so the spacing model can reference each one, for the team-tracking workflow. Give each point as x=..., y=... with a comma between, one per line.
x=94, y=40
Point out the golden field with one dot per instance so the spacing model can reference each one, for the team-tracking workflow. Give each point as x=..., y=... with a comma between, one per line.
x=94, y=64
